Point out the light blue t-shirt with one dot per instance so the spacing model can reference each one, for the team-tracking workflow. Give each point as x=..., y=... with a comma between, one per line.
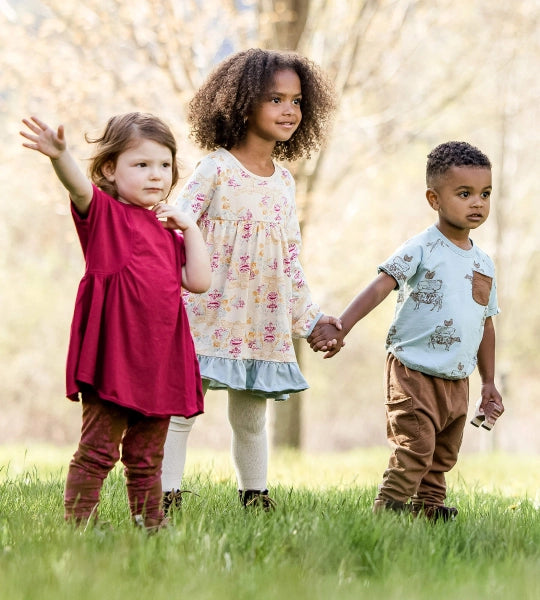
x=445, y=294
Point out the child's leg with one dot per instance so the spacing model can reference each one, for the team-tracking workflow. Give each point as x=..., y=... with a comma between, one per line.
x=247, y=416
x=411, y=413
x=142, y=455
x=453, y=414
x=103, y=424
x=174, y=459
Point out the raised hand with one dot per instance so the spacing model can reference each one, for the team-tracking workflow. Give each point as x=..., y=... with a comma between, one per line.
x=53, y=144
x=43, y=138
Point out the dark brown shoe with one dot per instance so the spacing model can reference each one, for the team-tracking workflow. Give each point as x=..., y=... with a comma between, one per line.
x=151, y=526
x=397, y=506
x=435, y=513
x=172, y=500
x=257, y=499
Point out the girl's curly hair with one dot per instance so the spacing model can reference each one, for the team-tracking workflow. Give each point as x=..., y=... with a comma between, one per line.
x=122, y=132
x=217, y=113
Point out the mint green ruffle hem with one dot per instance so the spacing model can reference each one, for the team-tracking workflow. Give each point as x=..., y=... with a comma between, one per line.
x=263, y=378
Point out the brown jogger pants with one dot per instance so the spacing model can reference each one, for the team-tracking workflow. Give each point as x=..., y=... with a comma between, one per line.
x=425, y=418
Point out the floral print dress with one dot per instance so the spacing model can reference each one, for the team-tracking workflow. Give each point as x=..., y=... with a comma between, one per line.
x=258, y=299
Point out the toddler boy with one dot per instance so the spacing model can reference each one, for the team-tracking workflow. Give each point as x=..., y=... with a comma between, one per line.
x=442, y=330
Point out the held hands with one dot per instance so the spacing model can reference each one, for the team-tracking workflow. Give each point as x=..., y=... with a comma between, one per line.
x=175, y=218
x=44, y=139
x=327, y=336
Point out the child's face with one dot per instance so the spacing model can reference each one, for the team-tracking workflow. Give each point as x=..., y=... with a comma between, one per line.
x=142, y=174
x=277, y=116
x=461, y=197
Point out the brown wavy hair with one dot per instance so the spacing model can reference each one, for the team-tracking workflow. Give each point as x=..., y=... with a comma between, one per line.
x=218, y=111
x=122, y=132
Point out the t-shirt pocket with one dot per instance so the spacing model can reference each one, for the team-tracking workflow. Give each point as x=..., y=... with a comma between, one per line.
x=481, y=288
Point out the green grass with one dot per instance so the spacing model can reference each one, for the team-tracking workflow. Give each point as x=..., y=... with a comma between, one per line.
x=321, y=543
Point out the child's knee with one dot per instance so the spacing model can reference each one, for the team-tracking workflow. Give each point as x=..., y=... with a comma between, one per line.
x=247, y=413
x=181, y=424
x=249, y=423
x=95, y=461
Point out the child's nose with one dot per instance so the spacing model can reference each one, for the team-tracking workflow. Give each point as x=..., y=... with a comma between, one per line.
x=478, y=200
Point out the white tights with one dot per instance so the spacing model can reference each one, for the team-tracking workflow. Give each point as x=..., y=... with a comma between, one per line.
x=247, y=416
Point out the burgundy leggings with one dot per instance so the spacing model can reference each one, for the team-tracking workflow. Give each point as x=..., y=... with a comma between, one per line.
x=106, y=426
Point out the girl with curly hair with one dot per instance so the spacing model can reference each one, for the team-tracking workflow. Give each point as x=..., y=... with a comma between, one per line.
x=255, y=107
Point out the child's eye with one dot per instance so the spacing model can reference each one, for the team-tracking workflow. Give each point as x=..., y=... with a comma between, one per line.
x=276, y=100
x=464, y=194
x=297, y=101
x=486, y=194
x=167, y=165
x=141, y=164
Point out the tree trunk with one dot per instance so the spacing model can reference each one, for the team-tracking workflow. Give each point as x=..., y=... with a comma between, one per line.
x=287, y=416
x=282, y=23
x=289, y=21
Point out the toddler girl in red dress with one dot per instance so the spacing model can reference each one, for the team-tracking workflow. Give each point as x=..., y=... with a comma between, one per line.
x=131, y=358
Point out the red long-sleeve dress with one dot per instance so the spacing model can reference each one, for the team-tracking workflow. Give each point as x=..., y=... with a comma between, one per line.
x=130, y=338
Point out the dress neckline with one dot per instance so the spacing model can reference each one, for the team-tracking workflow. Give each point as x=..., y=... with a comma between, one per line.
x=263, y=177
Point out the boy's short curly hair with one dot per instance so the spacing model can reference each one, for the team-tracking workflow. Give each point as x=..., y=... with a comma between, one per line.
x=453, y=154
x=217, y=113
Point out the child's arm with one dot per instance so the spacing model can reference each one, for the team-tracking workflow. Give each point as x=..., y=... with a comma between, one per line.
x=196, y=273
x=370, y=297
x=53, y=144
x=492, y=403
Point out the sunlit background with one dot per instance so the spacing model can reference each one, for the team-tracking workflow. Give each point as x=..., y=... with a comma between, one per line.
x=409, y=74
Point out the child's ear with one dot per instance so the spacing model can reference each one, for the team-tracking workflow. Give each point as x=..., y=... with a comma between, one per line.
x=108, y=170
x=432, y=198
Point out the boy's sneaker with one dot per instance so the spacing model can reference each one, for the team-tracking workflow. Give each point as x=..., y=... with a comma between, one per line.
x=434, y=513
x=381, y=505
x=257, y=499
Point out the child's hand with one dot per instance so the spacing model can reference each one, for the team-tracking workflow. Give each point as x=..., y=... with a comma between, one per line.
x=327, y=319
x=44, y=139
x=327, y=336
x=330, y=343
x=492, y=404
x=176, y=219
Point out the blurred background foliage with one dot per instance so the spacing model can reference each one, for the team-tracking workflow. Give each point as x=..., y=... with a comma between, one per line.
x=409, y=74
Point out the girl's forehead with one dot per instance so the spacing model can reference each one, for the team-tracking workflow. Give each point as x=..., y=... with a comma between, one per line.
x=285, y=78
x=146, y=145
